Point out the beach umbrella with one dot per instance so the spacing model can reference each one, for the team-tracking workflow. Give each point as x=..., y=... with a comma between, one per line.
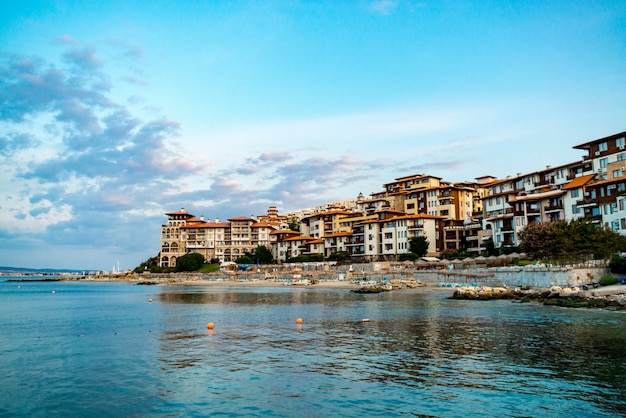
x=492, y=260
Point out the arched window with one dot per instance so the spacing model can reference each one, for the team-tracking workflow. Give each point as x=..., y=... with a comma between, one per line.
x=165, y=248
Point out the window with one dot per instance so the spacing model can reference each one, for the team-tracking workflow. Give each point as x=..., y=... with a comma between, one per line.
x=602, y=146
x=603, y=162
x=621, y=156
x=619, y=142
x=575, y=192
x=575, y=209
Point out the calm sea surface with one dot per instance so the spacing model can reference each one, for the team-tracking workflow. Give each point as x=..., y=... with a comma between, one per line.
x=102, y=349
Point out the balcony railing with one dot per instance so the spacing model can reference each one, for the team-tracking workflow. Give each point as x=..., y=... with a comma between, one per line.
x=551, y=208
x=587, y=202
x=545, y=182
x=533, y=209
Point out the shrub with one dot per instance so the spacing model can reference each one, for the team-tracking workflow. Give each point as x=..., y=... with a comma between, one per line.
x=339, y=256
x=189, y=262
x=617, y=264
x=244, y=259
x=608, y=280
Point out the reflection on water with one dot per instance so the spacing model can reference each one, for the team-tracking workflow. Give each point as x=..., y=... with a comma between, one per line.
x=104, y=350
x=418, y=353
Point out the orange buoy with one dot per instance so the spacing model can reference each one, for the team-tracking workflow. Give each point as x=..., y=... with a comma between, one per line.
x=299, y=321
x=210, y=325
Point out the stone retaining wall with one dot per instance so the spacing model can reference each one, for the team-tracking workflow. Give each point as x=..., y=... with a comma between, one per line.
x=535, y=277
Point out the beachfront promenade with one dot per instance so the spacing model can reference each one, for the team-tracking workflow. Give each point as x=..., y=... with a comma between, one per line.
x=355, y=274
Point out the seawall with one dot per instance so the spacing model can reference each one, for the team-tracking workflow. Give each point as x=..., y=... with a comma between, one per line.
x=535, y=277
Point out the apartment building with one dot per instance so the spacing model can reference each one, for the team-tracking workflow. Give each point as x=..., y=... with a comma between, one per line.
x=172, y=242
x=336, y=243
x=225, y=241
x=592, y=188
x=603, y=197
x=324, y=223
x=457, y=216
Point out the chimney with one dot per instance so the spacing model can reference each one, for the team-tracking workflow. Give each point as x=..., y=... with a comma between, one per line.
x=202, y=218
x=217, y=220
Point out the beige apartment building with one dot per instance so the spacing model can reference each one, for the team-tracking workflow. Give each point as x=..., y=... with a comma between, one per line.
x=452, y=216
x=224, y=241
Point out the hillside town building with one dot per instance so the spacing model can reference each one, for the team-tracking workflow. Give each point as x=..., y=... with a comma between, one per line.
x=452, y=216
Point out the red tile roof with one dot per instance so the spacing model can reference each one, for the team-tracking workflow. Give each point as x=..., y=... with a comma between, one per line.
x=579, y=181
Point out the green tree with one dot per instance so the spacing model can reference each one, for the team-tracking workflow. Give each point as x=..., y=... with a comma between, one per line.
x=263, y=255
x=244, y=259
x=490, y=247
x=151, y=265
x=566, y=242
x=419, y=245
x=294, y=225
x=190, y=262
x=618, y=264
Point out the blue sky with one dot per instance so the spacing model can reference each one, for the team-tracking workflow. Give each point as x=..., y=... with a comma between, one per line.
x=115, y=112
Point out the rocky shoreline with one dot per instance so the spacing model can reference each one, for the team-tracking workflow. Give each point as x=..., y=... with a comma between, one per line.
x=609, y=297
x=396, y=284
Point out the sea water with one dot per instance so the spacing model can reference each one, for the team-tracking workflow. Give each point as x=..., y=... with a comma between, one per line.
x=103, y=349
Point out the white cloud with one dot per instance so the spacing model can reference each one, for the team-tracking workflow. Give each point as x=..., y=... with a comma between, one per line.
x=341, y=130
x=383, y=7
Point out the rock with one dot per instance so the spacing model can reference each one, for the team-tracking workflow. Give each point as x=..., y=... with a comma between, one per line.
x=609, y=290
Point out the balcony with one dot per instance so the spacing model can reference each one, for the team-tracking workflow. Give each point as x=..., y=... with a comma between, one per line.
x=587, y=202
x=553, y=207
x=533, y=209
x=544, y=182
